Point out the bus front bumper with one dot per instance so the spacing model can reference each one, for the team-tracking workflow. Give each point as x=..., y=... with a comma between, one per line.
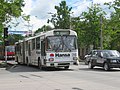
x=59, y=64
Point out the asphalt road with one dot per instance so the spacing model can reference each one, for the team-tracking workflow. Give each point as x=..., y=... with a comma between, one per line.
x=20, y=77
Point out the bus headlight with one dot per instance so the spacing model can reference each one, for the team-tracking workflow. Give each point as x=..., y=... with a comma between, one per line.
x=51, y=59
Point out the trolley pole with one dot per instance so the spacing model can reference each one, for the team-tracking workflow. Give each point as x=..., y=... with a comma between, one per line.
x=70, y=22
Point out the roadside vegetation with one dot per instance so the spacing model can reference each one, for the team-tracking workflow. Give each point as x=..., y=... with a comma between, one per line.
x=88, y=24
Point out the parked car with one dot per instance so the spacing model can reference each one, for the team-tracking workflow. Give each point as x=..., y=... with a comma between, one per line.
x=104, y=58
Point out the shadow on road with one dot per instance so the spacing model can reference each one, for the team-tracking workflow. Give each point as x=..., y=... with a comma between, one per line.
x=99, y=69
x=24, y=68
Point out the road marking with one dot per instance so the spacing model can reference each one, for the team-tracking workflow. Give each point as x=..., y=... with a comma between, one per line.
x=24, y=76
x=36, y=75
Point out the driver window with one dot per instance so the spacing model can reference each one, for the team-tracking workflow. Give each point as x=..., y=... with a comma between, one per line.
x=94, y=54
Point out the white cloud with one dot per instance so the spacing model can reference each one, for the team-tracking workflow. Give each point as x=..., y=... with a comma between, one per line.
x=28, y=6
x=39, y=9
x=37, y=23
x=79, y=7
x=102, y=1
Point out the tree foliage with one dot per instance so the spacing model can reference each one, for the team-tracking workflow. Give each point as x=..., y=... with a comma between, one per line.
x=43, y=28
x=62, y=18
x=14, y=38
x=8, y=10
x=90, y=24
x=113, y=25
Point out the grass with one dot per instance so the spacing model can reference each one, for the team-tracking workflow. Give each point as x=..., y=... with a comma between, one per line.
x=3, y=65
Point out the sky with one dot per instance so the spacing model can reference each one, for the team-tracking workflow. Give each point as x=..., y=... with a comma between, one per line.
x=40, y=10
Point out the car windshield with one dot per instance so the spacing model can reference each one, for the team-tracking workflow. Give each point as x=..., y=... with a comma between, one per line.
x=61, y=43
x=111, y=53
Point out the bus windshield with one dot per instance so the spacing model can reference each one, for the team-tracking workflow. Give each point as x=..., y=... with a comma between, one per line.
x=61, y=43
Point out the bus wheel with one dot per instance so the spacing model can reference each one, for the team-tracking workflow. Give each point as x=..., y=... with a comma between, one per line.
x=27, y=61
x=17, y=60
x=66, y=67
x=39, y=64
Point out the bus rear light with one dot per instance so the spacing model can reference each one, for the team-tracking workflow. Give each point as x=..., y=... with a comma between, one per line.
x=51, y=59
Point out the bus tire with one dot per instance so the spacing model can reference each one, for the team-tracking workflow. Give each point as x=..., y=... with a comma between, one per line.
x=17, y=61
x=27, y=62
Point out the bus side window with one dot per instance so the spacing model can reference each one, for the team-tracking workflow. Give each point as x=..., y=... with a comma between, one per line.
x=33, y=44
x=26, y=45
x=43, y=48
x=20, y=48
x=38, y=43
x=29, y=49
x=46, y=44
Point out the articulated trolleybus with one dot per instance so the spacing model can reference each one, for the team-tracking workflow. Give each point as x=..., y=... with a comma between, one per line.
x=54, y=48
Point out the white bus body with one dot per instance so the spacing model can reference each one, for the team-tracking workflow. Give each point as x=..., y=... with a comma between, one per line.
x=55, y=48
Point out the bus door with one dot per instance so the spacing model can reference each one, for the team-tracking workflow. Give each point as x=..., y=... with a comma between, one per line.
x=43, y=51
x=29, y=52
x=23, y=52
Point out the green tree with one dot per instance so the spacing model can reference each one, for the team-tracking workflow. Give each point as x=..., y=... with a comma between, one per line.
x=78, y=26
x=14, y=38
x=89, y=26
x=62, y=18
x=113, y=25
x=43, y=28
x=8, y=10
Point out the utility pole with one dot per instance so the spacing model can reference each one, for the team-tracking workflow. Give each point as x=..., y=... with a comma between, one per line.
x=5, y=43
x=70, y=19
x=70, y=22
x=5, y=37
x=101, y=33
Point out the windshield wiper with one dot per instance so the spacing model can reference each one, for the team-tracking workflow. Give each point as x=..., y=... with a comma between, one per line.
x=67, y=46
x=62, y=43
x=58, y=47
